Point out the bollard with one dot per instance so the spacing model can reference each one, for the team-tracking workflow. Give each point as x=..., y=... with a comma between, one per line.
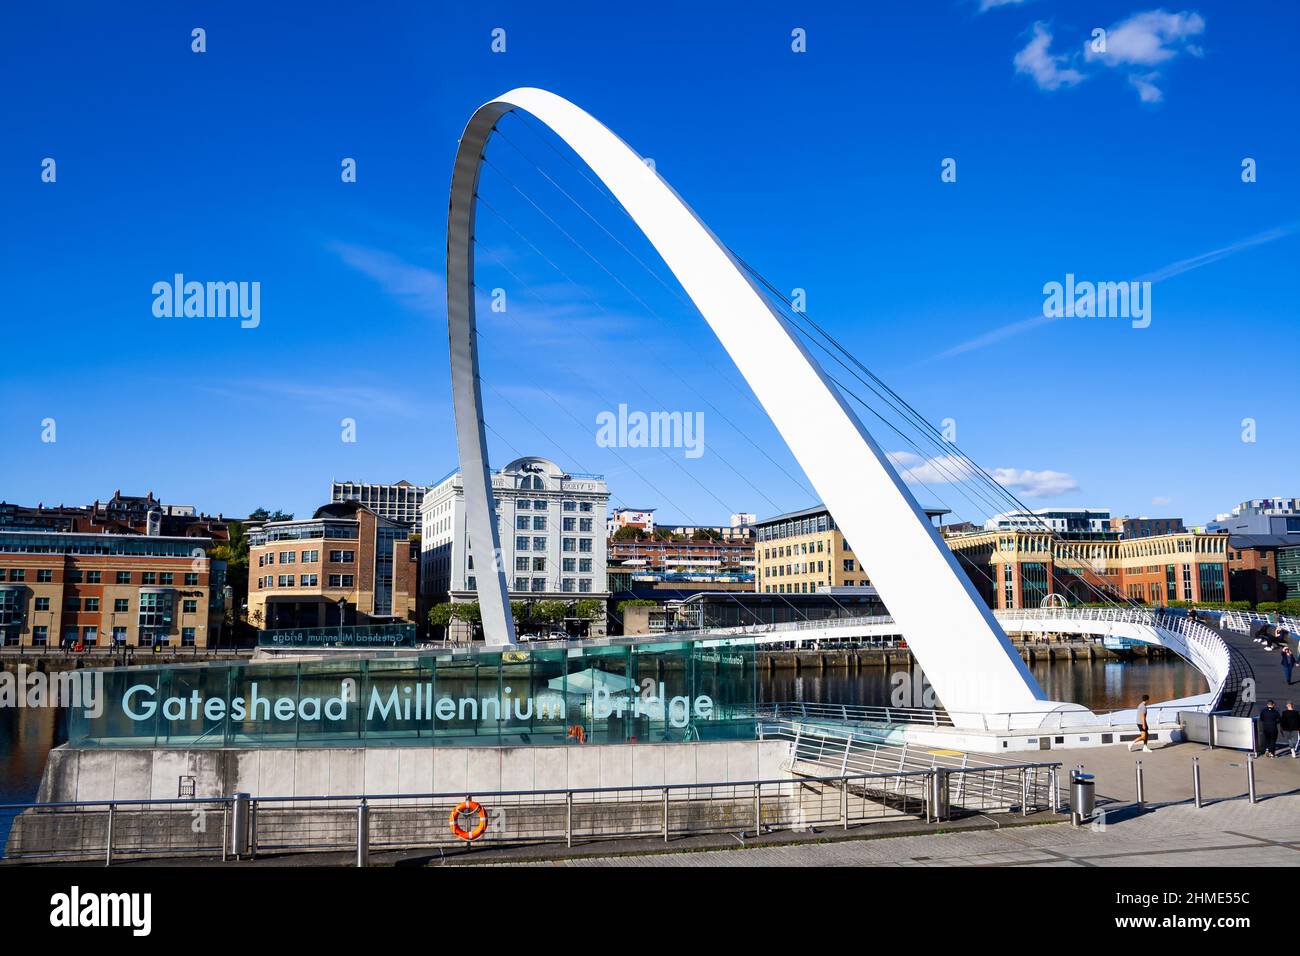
x=940, y=797
x=1250, y=777
x=1141, y=795
x=363, y=834
x=1196, y=780
x=239, y=826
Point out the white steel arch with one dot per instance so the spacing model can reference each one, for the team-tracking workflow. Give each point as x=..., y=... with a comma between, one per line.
x=963, y=651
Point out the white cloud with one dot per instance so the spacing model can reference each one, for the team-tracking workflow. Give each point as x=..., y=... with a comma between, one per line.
x=1145, y=84
x=987, y=5
x=1037, y=60
x=1160, y=500
x=1035, y=484
x=949, y=469
x=416, y=287
x=1146, y=39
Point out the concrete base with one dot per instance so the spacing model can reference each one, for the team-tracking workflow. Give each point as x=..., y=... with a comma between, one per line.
x=160, y=774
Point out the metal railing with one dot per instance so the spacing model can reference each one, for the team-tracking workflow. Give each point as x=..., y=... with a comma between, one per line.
x=243, y=826
x=919, y=717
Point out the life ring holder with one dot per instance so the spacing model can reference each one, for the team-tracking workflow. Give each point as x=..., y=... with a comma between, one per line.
x=468, y=806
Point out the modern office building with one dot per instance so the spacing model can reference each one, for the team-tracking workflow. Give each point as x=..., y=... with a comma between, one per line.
x=1276, y=516
x=550, y=523
x=1144, y=527
x=1019, y=569
x=398, y=502
x=344, y=565
x=803, y=551
x=1082, y=522
x=64, y=588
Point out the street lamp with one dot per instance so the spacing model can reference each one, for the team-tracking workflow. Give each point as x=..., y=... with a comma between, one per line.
x=343, y=605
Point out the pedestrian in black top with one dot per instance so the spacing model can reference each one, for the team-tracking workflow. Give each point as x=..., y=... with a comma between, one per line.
x=1290, y=722
x=1269, y=719
x=1288, y=663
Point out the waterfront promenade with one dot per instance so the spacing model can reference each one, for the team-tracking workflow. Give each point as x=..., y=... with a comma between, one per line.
x=1226, y=831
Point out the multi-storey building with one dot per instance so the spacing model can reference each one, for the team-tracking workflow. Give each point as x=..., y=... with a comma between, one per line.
x=804, y=551
x=68, y=588
x=702, y=557
x=1019, y=569
x=399, y=502
x=1279, y=516
x=121, y=514
x=1068, y=522
x=343, y=565
x=550, y=525
x=1145, y=527
x=643, y=519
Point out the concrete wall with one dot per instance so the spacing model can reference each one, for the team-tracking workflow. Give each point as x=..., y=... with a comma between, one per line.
x=155, y=773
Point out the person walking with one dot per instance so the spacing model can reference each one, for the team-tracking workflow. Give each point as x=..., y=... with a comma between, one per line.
x=1142, y=736
x=1290, y=723
x=1270, y=719
x=1288, y=663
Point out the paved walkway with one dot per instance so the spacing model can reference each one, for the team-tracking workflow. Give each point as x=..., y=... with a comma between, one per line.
x=1270, y=679
x=1227, y=831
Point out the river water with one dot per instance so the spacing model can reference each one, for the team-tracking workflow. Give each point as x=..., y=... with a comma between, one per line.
x=26, y=736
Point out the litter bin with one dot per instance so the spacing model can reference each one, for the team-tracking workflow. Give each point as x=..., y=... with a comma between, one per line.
x=1083, y=797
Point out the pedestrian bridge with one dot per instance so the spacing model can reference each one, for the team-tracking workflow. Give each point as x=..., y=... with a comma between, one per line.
x=1199, y=645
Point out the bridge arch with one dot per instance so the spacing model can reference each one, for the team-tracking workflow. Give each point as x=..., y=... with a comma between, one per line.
x=962, y=649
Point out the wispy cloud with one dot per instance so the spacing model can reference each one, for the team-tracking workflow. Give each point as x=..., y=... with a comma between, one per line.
x=1145, y=40
x=416, y=287
x=1049, y=70
x=1161, y=500
x=1158, y=275
x=952, y=469
x=987, y=5
x=1132, y=47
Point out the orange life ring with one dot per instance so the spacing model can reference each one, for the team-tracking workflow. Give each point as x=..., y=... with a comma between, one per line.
x=468, y=805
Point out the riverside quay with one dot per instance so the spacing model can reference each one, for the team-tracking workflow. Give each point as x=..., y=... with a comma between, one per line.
x=609, y=693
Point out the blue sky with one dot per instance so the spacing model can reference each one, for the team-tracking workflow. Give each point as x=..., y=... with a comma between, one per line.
x=821, y=168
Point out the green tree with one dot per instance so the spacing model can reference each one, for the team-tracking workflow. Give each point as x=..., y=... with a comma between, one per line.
x=549, y=612
x=440, y=615
x=469, y=612
x=629, y=533
x=706, y=534
x=590, y=609
x=261, y=514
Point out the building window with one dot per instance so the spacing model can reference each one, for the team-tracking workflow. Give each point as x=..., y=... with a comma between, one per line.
x=568, y=544
x=121, y=604
x=539, y=522
x=92, y=577
x=90, y=635
x=521, y=564
x=342, y=557
x=585, y=586
x=349, y=580
x=521, y=584
x=148, y=577
x=584, y=565
x=539, y=544
x=570, y=506
x=72, y=604
x=187, y=637
x=521, y=543
x=521, y=522
x=584, y=506
x=190, y=606
x=165, y=577
x=584, y=524
x=45, y=576
x=40, y=635
x=524, y=504
x=570, y=524
x=567, y=585
x=310, y=557
x=308, y=580
x=42, y=604
x=539, y=584
x=584, y=545
x=191, y=579
x=119, y=635
x=568, y=564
